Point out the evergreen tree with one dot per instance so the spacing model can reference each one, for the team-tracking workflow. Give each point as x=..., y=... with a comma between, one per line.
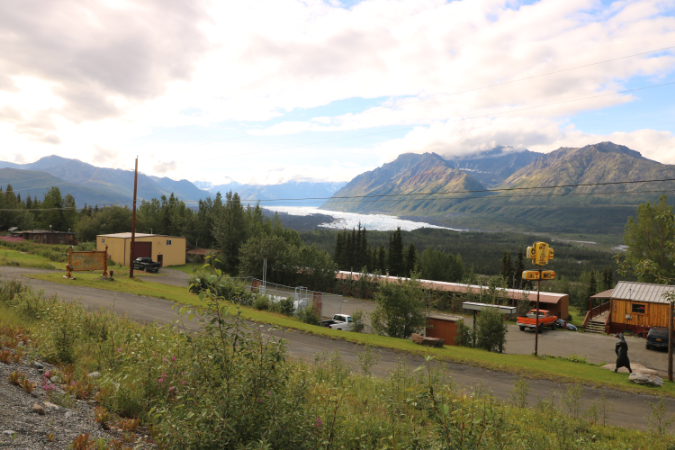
x=410, y=259
x=507, y=269
x=231, y=230
x=592, y=285
x=518, y=269
x=396, y=262
x=337, y=257
x=382, y=259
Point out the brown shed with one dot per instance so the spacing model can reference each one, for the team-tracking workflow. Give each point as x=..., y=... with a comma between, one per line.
x=47, y=236
x=443, y=327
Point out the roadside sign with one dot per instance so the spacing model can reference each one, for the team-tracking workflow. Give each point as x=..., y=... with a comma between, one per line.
x=540, y=253
x=547, y=275
x=530, y=275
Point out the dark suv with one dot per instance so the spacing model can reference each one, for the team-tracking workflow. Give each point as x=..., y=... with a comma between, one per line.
x=657, y=338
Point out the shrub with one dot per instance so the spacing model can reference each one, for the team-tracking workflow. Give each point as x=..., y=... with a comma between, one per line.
x=286, y=306
x=307, y=314
x=491, y=331
x=358, y=325
x=464, y=336
x=261, y=302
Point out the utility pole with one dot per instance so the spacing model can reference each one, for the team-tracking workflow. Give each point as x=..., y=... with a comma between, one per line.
x=133, y=223
x=670, y=342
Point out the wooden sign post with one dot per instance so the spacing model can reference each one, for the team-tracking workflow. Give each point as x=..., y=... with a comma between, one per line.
x=86, y=261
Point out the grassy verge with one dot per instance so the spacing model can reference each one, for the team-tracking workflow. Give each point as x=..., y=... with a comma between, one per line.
x=20, y=259
x=550, y=368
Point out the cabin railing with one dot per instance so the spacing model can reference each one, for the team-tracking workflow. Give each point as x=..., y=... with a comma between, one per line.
x=595, y=312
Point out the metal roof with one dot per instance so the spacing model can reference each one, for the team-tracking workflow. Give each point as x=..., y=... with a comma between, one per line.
x=138, y=235
x=642, y=292
x=517, y=294
x=604, y=294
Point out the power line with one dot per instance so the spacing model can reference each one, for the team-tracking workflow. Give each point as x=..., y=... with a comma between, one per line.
x=503, y=83
x=448, y=121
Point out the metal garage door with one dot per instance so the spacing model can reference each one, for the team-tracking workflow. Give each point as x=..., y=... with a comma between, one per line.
x=142, y=249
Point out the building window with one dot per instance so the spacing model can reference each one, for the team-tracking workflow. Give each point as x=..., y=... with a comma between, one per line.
x=639, y=308
x=102, y=240
x=168, y=242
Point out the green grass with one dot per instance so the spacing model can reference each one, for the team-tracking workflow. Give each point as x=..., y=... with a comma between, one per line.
x=187, y=268
x=27, y=260
x=551, y=368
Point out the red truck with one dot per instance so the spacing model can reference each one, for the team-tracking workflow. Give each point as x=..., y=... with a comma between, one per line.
x=546, y=319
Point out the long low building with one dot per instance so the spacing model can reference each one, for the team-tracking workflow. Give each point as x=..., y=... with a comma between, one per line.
x=166, y=250
x=557, y=304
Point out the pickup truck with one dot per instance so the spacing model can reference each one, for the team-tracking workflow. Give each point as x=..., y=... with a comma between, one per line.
x=338, y=322
x=145, y=263
x=546, y=319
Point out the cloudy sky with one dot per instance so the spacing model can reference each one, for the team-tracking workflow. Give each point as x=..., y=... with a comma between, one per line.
x=269, y=90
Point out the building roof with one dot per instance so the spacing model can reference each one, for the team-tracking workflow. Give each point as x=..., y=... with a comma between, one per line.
x=518, y=294
x=603, y=294
x=138, y=235
x=42, y=232
x=444, y=317
x=642, y=292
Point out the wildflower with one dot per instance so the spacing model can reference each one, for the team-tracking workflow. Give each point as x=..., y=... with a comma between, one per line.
x=318, y=422
x=182, y=382
x=163, y=359
x=173, y=358
x=260, y=400
x=72, y=384
x=119, y=349
x=161, y=380
x=46, y=374
x=269, y=393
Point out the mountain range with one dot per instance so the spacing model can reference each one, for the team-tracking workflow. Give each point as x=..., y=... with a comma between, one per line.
x=495, y=191
x=94, y=185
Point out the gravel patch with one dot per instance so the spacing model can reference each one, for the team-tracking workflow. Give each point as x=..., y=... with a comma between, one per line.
x=31, y=421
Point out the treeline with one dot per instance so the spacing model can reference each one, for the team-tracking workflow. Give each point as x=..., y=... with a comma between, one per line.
x=481, y=251
x=30, y=212
x=353, y=252
x=241, y=235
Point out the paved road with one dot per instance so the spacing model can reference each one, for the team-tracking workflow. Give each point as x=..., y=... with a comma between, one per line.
x=630, y=410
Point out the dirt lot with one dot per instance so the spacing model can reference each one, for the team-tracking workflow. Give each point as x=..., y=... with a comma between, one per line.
x=630, y=410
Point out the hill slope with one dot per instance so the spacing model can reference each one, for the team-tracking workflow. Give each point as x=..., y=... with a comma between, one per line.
x=409, y=174
x=494, y=166
x=35, y=183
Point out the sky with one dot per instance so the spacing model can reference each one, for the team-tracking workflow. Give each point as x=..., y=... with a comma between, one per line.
x=266, y=91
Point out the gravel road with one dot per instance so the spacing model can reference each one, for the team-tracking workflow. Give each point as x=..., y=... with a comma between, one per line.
x=630, y=410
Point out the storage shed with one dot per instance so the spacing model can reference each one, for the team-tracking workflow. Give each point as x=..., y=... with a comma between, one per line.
x=637, y=307
x=443, y=327
x=47, y=236
x=166, y=250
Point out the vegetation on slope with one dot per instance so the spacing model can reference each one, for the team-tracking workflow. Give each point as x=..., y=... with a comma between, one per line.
x=232, y=388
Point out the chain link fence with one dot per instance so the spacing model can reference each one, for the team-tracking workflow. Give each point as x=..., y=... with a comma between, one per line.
x=326, y=304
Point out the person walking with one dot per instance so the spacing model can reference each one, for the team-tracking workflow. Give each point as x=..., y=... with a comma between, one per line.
x=622, y=353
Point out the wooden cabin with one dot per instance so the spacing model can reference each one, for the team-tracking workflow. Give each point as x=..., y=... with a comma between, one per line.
x=637, y=307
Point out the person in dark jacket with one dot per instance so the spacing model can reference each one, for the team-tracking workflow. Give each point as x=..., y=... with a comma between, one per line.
x=622, y=353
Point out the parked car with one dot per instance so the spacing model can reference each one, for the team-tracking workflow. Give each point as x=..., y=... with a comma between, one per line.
x=147, y=264
x=546, y=319
x=339, y=322
x=561, y=324
x=657, y=338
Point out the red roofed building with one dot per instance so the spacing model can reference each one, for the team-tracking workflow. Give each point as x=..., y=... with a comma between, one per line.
x=557, y=304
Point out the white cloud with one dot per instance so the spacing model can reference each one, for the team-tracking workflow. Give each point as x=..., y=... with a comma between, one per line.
x=114, y=74
x=540, y=135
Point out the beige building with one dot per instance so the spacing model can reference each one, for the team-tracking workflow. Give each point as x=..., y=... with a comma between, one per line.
x=167, y=250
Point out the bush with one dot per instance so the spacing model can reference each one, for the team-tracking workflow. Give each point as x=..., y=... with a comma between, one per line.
x=261, y=302
x=286, y=306
x=464, y=336
x=358, y=326
x=491, y=331
x=308, y=315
